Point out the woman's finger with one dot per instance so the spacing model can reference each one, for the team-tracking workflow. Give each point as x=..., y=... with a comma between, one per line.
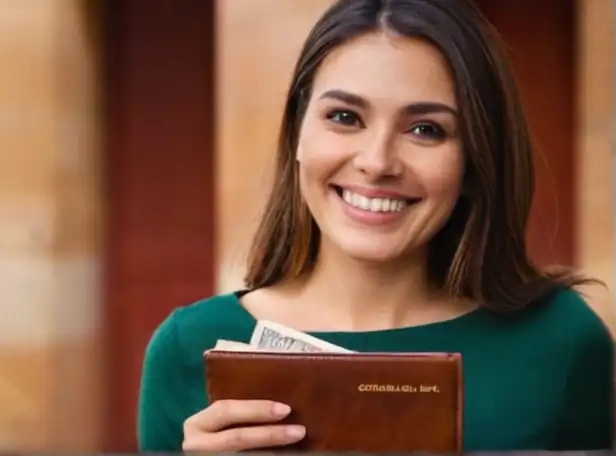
x=246, y=438
x=222, y=414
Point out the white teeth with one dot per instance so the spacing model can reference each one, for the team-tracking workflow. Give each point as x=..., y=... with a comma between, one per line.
x=373, y=204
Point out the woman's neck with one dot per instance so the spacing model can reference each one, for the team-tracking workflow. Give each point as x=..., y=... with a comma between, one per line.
x=367, y=296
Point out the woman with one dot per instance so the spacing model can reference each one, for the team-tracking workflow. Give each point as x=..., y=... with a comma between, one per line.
x=396, y=223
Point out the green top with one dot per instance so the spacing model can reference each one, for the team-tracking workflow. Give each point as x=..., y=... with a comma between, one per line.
x=540, y=378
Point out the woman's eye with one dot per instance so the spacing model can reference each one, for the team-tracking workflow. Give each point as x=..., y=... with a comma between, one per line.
x=428, y=131
x=346, y=118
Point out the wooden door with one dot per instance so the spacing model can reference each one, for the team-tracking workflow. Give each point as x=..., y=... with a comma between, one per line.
x=160, y=183
x=540, y=37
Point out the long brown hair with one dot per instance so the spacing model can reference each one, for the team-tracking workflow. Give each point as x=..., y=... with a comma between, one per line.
x=481, y=252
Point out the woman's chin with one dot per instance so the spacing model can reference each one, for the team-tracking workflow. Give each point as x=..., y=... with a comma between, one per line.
x=374, y=253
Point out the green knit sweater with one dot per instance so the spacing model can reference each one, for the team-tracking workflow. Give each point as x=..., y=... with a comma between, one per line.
x=540, y=378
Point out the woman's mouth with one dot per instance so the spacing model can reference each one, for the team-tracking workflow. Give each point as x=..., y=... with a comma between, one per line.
x=373, y=210
x=373, y=204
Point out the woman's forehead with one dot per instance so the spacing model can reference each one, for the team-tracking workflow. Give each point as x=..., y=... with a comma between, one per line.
x=389, y=68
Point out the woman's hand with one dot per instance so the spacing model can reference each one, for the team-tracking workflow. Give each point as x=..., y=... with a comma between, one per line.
x=207, y=430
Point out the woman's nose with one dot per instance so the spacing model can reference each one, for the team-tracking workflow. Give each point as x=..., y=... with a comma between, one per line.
x=378, y=158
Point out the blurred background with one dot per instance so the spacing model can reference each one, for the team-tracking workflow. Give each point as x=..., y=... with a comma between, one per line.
x=136, y=139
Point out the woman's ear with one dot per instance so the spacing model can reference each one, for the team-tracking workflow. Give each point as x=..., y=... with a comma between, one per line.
x=299, y=153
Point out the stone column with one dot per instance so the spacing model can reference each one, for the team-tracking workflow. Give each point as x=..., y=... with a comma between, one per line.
x=50, y=218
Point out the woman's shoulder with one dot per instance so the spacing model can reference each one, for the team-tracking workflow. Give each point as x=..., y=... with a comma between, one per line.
x=569, y=310
x=219, y=312
x=191, y=329
x=172, y=378
x=587, y=348
x=575, y=303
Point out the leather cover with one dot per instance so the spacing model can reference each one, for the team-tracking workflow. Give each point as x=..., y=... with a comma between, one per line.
x=352, y=402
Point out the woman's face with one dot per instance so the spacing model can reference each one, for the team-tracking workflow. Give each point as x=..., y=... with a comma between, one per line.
x=380, y=159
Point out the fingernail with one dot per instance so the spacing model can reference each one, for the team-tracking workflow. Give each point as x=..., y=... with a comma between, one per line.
x=281, y=409
x=296, y=432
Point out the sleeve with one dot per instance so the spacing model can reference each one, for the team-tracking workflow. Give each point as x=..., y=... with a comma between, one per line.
x=162, y=394
x=588, y=419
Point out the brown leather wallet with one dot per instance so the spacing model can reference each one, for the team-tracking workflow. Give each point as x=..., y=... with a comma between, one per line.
x=365, y=402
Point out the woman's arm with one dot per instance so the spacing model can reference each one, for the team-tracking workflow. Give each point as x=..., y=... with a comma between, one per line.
x=587, y=421
x=163, y=392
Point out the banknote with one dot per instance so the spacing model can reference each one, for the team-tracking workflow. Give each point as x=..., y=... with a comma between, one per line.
x=222, y=344
x=268, y=335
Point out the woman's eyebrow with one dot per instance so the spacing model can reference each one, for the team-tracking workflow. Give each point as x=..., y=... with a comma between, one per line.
x=422, y=107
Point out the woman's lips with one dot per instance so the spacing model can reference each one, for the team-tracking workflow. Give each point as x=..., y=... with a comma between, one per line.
x=374, y=210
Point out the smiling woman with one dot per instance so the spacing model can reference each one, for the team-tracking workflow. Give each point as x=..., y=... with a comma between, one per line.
x=396, y=223
x=389, y=134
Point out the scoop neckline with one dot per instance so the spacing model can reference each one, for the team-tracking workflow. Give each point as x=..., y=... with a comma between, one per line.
x=448, y=324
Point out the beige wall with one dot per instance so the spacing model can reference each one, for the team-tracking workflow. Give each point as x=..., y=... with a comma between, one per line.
x=257, y=44
x=49, y=219
x=594, y=150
